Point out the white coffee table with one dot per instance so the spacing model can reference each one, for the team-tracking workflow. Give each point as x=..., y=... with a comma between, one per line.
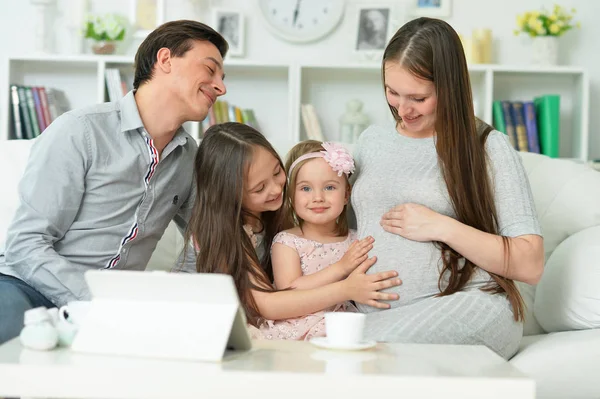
x=272, y=369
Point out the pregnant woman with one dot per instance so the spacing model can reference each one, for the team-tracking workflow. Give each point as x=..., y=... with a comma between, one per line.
x=448, y=202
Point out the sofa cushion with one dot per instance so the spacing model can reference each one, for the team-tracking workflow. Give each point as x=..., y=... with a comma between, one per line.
x=568, y=295
x=564, y=365
x=566, y=196
x=13, y=159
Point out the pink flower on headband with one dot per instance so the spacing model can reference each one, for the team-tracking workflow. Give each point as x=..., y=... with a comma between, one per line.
x=338, y=157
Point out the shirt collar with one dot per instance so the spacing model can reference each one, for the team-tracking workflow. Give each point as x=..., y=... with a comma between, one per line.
x=131, y=120
x=130, y=117
x=181, y=136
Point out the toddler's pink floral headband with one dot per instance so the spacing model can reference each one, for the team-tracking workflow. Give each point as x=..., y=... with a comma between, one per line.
x=336, y=155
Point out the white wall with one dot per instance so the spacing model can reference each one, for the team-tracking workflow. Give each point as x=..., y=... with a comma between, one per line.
x=579, y=48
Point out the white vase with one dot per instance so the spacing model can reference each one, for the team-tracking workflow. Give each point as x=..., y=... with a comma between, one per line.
x=43, y=31
x=544, y=50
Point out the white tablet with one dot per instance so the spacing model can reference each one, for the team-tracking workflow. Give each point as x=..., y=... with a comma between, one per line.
x=163, y=315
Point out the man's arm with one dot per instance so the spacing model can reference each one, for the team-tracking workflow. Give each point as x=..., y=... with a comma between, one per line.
x=50, y=194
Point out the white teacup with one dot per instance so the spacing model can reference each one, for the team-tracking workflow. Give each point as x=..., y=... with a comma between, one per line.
x=344, y=328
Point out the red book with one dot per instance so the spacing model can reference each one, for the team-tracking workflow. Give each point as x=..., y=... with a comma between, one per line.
x=38, y=109
x=45, y=109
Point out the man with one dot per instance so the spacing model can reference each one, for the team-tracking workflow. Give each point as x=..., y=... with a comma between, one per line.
x=103, y=182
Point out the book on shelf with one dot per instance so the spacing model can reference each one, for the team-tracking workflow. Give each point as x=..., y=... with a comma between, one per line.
x=117, y=85
x=249, y=118
x=548, y=122
x=27, y=132
x=45, y=105
x=518, y=117
x=509, y=123
x=38, y=109
x=238, y=114
x=232, y=114
x=33, y=110
x=532, y=126
x=222, y=111
x=311, y=123
x=17, y=125
x=57, y=102
x=498, y=116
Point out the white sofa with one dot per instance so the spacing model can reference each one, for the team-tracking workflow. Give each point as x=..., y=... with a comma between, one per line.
x=566, y=303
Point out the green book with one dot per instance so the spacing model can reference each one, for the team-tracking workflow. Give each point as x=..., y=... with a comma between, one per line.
x=28, y=127
x=32, y=112
x=249, y=118
x=498, y=116
x=547, y=109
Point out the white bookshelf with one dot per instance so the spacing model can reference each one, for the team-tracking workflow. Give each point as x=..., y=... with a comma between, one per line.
x=276, y=90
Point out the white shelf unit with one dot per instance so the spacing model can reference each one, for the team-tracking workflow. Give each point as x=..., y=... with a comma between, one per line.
x=572, y=84
x=330, y=87
x=276, y=90
x=264, y=87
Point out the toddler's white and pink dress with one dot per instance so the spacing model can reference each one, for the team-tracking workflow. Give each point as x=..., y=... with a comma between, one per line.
x=314, y=256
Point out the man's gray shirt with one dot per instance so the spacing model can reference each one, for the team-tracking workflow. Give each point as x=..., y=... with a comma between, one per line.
x=95, y=195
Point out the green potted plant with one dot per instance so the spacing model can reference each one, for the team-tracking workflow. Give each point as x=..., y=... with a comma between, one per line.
x=105, y=31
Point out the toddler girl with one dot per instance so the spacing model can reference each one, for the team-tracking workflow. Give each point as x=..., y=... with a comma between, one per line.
x=320, y=249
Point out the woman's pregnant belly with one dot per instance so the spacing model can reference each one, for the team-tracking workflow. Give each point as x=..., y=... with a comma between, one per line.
x=415, y=262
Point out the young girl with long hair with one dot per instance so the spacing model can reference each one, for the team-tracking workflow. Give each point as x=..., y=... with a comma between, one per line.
x=447, y=200
x=241, y=186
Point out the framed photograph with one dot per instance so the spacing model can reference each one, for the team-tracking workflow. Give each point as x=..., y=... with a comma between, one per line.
x=432, y=8
x=145, y=16
x=230, y=24
x=373, y=28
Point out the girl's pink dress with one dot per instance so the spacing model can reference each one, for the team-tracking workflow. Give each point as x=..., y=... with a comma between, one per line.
x=314, y=256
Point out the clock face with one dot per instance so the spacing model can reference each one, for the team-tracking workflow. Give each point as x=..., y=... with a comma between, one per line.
x=302, y=20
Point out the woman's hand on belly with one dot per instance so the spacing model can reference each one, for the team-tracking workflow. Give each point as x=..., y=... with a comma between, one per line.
x=414, y=222
x=365, y=289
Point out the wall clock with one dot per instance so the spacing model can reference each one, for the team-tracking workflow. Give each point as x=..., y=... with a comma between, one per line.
x=301, y=21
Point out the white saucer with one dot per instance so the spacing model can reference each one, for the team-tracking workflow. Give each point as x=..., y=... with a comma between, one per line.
x=322, y=342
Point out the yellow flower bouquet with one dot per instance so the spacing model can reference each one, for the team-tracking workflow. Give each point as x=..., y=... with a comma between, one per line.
x=544, y=23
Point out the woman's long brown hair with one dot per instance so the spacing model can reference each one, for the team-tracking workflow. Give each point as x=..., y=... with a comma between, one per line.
x=430, y=49
x=216, y=225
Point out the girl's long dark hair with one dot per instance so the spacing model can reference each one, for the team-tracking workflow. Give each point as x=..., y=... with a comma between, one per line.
x=216, y=226
x=431, y=50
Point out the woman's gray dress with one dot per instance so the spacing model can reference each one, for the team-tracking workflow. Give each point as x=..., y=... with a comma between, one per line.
x=393, y=169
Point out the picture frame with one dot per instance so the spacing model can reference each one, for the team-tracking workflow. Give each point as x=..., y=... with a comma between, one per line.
x=432, y=8
x=230, y=24
x=145, y=16
x=373, y=28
